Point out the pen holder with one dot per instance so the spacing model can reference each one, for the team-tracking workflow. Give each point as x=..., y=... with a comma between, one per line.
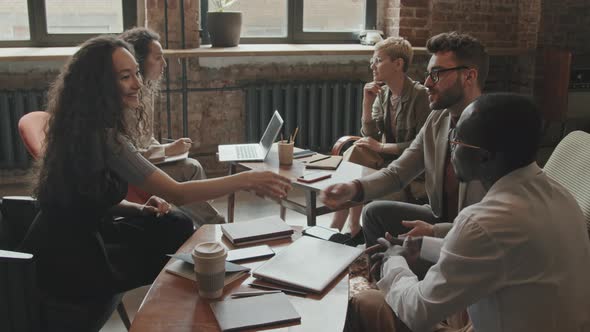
x=285, y=153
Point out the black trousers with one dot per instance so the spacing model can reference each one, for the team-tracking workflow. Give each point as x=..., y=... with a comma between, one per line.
x=137, y=246
x=387, y=216
x=82, y=273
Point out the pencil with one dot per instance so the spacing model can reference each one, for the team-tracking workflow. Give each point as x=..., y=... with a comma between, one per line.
x=295, y=134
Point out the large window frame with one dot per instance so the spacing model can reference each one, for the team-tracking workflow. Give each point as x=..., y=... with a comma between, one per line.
x=38, y=27
x=295, y=33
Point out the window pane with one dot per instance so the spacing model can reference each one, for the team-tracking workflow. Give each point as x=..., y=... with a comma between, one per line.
x=260, y=18
x=84, y=16
x=14, y=15
x=333, y=15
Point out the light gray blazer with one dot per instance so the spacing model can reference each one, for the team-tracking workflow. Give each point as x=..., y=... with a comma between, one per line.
x=426, y=153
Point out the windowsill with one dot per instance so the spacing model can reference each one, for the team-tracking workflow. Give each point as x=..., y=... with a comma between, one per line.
x=14, y=54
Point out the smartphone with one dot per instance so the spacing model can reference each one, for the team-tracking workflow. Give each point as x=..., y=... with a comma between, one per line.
x=319, y=232
x=243, y=254
x=314, y=177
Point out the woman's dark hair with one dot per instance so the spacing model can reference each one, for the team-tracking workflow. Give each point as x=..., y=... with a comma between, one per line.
x=86, y=109
x=140, y=38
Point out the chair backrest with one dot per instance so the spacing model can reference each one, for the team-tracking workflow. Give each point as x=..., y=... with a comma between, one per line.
x=569, y=165
x=32, y=127
x=19, y=307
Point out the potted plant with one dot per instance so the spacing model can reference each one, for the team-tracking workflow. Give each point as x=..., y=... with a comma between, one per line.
x=224, y=26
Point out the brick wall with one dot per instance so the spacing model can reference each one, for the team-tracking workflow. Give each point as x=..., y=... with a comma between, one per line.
x=566, y=24
x=218, y=116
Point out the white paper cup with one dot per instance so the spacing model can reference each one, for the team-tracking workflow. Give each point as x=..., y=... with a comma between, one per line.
x=209, y=259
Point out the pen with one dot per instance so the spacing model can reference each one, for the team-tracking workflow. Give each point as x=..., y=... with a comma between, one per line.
x=254, y=293
x=288, y=291
x=168, y=140
x=319, y=159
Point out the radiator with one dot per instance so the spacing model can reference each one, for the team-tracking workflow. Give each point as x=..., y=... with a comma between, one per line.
x=13, y=105
x=323, y=110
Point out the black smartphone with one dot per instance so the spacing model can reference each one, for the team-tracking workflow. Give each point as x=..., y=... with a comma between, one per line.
x=319, y=232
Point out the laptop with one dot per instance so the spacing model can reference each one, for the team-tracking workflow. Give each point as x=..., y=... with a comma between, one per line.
x=308, y=264
x=253, y=152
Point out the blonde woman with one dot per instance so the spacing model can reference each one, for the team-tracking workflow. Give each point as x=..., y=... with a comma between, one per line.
x=394, y=109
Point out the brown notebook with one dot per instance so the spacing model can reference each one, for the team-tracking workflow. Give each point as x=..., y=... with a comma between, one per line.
x=255, y=311
x=330, y=163
x=257, y=230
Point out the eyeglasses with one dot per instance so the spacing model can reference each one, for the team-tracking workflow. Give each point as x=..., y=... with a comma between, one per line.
x=453, y=141
x=435, y=73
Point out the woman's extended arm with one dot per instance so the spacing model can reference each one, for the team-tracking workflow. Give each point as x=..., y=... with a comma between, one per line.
x=262, y=183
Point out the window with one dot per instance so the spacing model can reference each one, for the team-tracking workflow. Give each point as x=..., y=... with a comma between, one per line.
x=299, y=21
x=62, y=22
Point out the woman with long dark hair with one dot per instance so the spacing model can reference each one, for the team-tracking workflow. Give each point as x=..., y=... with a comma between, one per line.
x=150, y=58
x=82, y=253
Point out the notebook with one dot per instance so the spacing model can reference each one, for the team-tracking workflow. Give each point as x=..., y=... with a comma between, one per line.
x=253, y=152
x=160, y=158
x=330, y=163
x=184, y=267
x=255, y=311
x=257, y=230
x=309, y=264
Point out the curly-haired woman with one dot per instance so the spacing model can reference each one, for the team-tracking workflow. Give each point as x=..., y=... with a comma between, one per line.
x=83, y=254
x=150, y=58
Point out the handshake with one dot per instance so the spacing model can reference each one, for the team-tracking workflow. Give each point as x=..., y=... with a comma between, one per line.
x=406, y=246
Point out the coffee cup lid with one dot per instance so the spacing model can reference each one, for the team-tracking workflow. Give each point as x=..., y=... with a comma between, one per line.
x=209, y=249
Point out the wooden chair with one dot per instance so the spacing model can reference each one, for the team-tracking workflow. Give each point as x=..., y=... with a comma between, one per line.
x=342, y=144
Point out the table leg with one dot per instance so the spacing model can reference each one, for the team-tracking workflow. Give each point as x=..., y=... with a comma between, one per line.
x=310, y=207
x=231, y=198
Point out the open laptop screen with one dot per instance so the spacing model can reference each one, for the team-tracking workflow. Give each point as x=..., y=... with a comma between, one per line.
x=272, y=131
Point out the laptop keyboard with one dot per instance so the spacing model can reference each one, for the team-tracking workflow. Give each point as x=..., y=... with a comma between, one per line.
x=246, y=152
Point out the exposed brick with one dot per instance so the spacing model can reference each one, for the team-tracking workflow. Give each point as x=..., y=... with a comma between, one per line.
x=413, y=22
x=421, y=12
x=415, y=3
x=407, y=12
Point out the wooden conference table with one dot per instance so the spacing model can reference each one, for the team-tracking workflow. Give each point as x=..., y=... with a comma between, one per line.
x=172, y=303
x=345, y=172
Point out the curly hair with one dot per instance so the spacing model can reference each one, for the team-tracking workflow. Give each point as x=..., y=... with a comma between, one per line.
x=467, y=50
x=141, y=38
x=397, y=47
x=86, y=109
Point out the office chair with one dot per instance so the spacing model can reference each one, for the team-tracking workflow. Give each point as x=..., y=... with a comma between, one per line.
x=568, y=165
x=32, y=128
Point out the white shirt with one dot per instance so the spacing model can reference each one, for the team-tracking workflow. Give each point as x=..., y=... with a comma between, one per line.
x=519, y=261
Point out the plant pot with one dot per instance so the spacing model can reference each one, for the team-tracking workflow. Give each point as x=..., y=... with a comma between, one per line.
x=224, y=28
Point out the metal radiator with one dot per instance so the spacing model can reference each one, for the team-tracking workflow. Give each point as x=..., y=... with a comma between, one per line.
x=13, y=105
x=323, y=110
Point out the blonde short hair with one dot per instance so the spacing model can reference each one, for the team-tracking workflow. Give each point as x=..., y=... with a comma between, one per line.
x=397, y=47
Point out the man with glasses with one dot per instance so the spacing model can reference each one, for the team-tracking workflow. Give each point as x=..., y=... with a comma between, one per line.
x=511, y=259
x=456, y=75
